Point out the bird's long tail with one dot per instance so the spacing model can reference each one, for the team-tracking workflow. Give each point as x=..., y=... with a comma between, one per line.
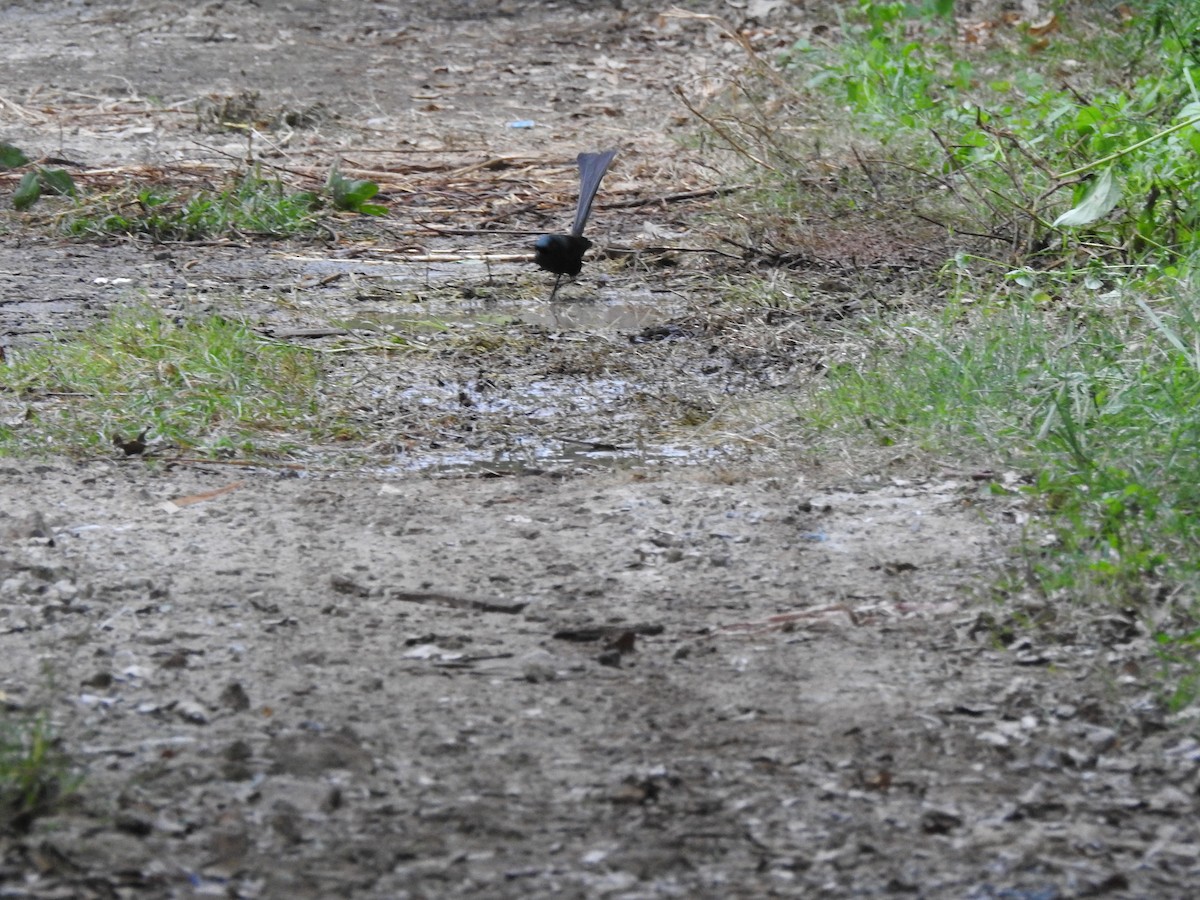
x=592, y=167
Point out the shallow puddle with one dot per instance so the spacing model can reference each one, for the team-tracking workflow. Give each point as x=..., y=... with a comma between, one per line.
x=607, y=314
x=553, y=455
x=405, y=274
x=540, y=398
x=597, y=310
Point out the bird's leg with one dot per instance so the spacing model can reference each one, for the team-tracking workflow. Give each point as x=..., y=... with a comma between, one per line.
x=557, y=281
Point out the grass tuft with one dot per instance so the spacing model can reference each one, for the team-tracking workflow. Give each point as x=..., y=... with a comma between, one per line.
x=206, y=386
x=1100, y=401
x=250, y=206
x=35, y=775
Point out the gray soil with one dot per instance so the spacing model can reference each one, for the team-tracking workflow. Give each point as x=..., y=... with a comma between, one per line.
x=553, y=636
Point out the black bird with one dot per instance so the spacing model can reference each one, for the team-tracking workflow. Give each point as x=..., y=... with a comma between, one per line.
x=562, y=254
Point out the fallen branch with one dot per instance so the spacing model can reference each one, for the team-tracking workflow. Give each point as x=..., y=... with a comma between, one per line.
x=673, y=198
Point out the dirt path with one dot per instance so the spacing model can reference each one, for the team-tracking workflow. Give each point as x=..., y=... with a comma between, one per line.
x=731, y=677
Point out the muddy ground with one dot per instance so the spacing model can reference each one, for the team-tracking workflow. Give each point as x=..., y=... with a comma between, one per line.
x=580, y=620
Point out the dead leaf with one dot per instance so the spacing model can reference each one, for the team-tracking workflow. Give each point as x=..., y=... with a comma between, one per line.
x=177, y=660
x=880, y=781
x=937, y=821
x=623, y=643
x=235, y=697
x=179, y=502
x=1046, y=26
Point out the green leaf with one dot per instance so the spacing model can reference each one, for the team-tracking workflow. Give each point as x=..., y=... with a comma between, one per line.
x=359, y=192
x=1101, y=196
x=353, y=195
x=57, y=181
x=1190, y=111
x=338, y=184
x=11, y=157
x=28, y=191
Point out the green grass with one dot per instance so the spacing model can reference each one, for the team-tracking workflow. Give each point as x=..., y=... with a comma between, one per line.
x=250, y=205
x=35, y=775
x=1014, y=137
x=210, y=386
x=1101, y=401
x=1067, y=346
x=1098, y=402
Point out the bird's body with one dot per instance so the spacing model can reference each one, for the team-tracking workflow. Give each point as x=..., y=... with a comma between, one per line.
x=562, y=254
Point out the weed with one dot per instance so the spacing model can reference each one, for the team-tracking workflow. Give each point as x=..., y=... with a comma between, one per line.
x=250, y=206
x=1093, y=165
x=37, y=181
x=352, y=195
x=1177, y=655
x=35, y=775
x=1101, y=406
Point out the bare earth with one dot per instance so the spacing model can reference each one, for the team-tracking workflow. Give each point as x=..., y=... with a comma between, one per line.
x=703, y=665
